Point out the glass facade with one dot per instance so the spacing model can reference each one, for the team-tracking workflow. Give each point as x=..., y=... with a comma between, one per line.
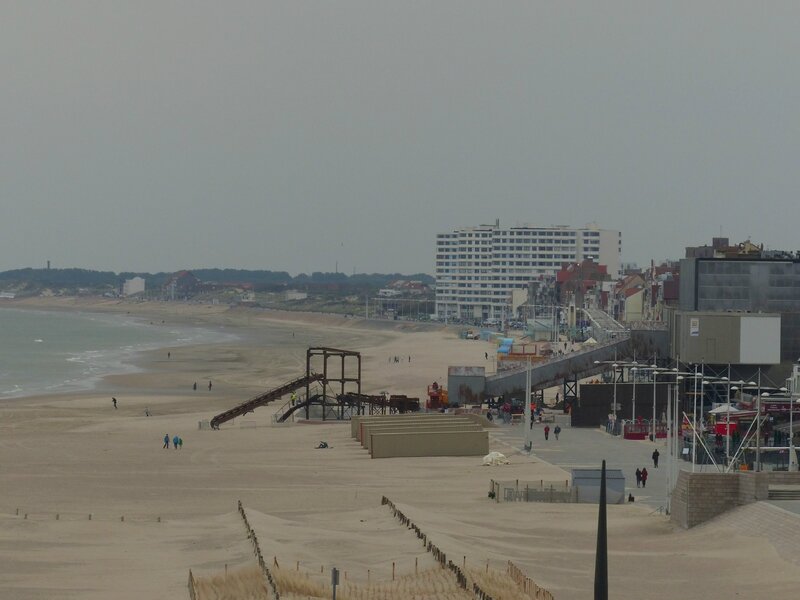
x=756, y=286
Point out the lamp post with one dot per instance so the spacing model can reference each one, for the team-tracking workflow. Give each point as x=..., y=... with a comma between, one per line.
x=672, y=433
x=655, y=380
x=792, y=460
x=694, y=423
x=614, y=366
x=758, y=423
x=633, y=399
x=528, y=416
x=733, y=389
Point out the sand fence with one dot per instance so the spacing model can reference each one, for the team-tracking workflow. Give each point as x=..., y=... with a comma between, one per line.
x=447, y=581
x=85, y=516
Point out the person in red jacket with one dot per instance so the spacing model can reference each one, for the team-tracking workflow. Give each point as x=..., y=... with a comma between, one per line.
x=644, y=477
x=546, y=432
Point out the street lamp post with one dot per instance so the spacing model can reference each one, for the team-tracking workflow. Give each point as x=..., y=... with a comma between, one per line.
x=614, y=407
x=655, y=380
x=528, y=416
x=672, y=433
x=694, y=424
x=758, y=423
x=792, y=460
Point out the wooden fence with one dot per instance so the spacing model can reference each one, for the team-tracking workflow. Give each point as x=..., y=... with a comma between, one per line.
x=251, y=534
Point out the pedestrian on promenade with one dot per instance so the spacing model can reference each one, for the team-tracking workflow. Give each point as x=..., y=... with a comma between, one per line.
x=114, y=401
x=655, y=458
x=546, y=432
x=638, y=478
x=175, y=442
x=644, y=477
x=166, y=440
x=556, y=431
x=293, y=398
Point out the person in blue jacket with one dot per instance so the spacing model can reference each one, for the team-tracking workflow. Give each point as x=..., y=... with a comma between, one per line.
x=175, y=442
x=166, y=440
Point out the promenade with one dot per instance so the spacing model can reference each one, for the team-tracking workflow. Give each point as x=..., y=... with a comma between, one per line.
x=587, y=448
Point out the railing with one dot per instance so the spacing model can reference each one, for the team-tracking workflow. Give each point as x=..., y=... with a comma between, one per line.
x=623, y=336
x=532, y=491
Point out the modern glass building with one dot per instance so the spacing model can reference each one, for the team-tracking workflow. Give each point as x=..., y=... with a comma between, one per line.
x=769, y=285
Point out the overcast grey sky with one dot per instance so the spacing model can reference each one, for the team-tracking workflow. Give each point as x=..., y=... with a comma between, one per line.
x=149, y=136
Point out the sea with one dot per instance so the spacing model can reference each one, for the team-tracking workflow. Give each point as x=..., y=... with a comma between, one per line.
x=45, y=352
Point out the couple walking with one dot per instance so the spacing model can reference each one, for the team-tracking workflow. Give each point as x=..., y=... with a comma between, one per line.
x=556, y=431
x=641, y=477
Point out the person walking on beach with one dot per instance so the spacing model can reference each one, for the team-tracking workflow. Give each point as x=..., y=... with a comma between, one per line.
x=486, y=355
x=655, y=458
x=209, y=385
x=556, y=431
x=546, y=432
x=638, y=478
x=114, y=402
x=194, y=387
x=166, y=440
x=169, y=354
x=644, y=477
x=175, y=442
x=180, y=443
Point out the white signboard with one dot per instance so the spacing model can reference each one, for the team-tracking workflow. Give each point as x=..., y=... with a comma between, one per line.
x=694, y=327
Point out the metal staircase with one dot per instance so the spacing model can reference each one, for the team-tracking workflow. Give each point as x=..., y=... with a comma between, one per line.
x=265, y=398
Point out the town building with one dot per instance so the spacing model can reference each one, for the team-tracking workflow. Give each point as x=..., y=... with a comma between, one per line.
x=484, y=272
x=133, y=286
x=766, y=282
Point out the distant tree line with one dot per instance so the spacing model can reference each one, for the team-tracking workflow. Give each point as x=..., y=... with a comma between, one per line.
x=260, y=280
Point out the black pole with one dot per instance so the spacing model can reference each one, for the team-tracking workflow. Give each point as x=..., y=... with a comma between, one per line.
x=601, y=560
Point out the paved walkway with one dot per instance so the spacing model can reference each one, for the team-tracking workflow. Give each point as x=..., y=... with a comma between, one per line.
x=582, y=447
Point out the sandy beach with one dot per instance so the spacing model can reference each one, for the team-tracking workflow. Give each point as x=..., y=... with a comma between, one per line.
x=66, y=457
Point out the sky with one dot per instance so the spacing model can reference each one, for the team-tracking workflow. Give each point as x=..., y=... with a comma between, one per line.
x=316, y=136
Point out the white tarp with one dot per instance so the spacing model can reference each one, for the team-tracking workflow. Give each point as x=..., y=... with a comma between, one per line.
x=495, y=458
x=721, y=410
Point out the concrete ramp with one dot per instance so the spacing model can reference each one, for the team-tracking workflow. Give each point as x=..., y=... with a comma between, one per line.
x=780, y=527
x=575, y=365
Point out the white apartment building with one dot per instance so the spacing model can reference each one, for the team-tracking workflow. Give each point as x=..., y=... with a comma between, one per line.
x=133, y=286
x=479, y=268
